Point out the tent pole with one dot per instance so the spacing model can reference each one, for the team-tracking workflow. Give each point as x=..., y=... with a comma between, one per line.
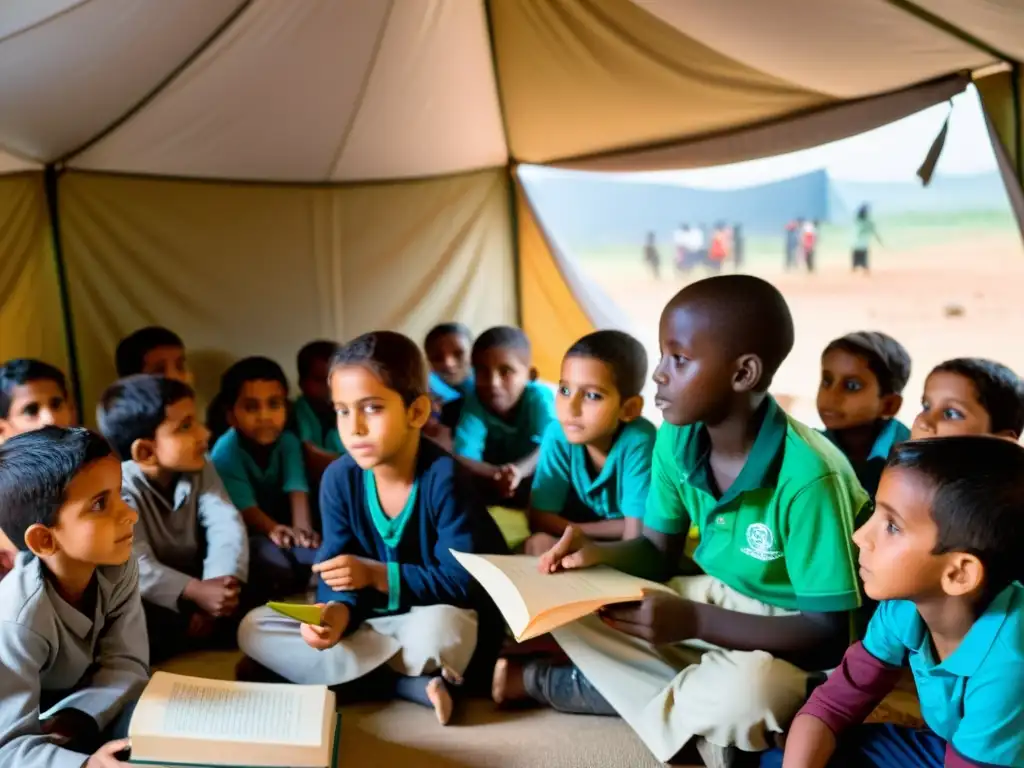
x=517, y=268
x=950, y=29
x=1018, y=132
x=50, y=177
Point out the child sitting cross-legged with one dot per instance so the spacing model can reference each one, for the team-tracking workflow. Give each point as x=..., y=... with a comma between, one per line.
x=73, y=652
x=190, y=541
x=504, y=418
x=971, y=396
x=862, y=379
x=399, y=615
x=595, y=461
x=941, y=554
x=262, y=467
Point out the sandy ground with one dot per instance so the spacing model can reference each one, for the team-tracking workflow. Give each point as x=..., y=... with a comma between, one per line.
x=906, y=296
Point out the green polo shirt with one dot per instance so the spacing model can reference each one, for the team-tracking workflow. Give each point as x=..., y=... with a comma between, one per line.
x=618, y=490
x=782, y=533
x=482, y=436
x=972, y=698
x=250, y=485
x=311, y=428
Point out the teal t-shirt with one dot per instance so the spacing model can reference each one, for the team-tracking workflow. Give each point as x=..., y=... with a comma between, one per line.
x=249, y=485
x=973, y=698
x=482, y=436
x=618, y=490
x=869, y=471
x=311, y=428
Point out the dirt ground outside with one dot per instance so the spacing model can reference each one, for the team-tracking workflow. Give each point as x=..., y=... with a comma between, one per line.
x=913, y=293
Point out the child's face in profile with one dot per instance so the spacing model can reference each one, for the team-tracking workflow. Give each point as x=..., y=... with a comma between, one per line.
x=849, y=395
x=588, y=404
x=449, y=358
x=501, y=377
x=695, y=374
x=896, y=543
x=950, y=406
x=169, y=362
x=261, y=411
x=314, y=385
x=181, y=441
x=94, y=525
x=34, y=405
x=373, y=421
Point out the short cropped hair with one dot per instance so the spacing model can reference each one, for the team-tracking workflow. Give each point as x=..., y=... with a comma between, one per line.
x=132, y=349
x=309, y=354
x=1000, y=390
x=131, y=409
x=503, y=337
x=447, y=329
x=245, y=370
x=35, y=471
x=624, y=355
x=22, y=371
x=391, y=357
x=978, y=498
x=887, y=359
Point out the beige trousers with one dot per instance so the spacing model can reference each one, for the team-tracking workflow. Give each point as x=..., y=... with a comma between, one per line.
x=423, y=641
x=671, y=694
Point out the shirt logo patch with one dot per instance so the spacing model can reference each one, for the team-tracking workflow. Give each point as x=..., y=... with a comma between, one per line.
x=761, y=543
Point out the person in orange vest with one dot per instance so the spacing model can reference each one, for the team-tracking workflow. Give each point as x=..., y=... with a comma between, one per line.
x=719, y=250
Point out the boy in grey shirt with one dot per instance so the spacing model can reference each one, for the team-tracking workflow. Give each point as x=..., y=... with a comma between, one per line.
x=191, y=543
x=72, y=631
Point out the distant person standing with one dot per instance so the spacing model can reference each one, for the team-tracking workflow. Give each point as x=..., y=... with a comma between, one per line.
x=863, y=231
x=651, y=256
x=792, y=243
x=698, y=245
x=681, y=238
x=809, y=244
x=718, y=251
x=738, y=246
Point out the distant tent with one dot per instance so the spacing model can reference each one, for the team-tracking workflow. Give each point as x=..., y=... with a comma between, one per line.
x=256, y=173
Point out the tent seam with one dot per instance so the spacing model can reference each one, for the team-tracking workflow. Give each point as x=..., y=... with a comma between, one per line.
x=44, y=21
x=154, y=92
x=941, y=24
x=361, y=96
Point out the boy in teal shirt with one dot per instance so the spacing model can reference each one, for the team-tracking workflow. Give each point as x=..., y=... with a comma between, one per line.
x=941, y=553
x=720, y=662
x=262, y=469
x=315, y=420
x=595, y=461
x=971, y=396
x=505, y=416
x=862, y=379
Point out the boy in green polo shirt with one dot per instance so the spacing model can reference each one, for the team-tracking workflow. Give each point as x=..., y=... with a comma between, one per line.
x=942, y=554
x=263, y=472
x=862, y=379
x=595, y=461
x=504, y=418
x=722, y=661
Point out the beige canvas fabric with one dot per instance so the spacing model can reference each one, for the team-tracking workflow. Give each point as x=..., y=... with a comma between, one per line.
x=241, y=270
x=669, y=695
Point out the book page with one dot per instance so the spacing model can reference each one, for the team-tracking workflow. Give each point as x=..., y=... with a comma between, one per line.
x=193, y=708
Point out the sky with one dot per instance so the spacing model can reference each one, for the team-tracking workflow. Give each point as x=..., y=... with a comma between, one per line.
x=891, y=153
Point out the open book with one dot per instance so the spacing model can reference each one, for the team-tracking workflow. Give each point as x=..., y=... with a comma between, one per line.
x=534, y=603
x=192, y=721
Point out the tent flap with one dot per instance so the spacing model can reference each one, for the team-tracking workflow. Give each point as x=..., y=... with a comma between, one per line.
x=257, y=269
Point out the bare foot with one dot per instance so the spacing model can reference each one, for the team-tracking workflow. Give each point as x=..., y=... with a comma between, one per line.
x=437, y=693
x=507, y=683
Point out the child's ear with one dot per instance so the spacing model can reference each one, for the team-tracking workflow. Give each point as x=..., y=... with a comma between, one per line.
x=40, y=540
x=420, y=412
x=533, y=374
x=749, y=371
x=963, y=574
x=229, y=418
x=631, y=409
x=144, y=452
x=891, y=405
x=6, y=431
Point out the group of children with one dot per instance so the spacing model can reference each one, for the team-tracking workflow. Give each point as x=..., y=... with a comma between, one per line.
x=170, y=531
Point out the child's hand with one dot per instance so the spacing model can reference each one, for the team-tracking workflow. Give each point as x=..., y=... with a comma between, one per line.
x=305, y=537
x=217, y=597
x=574, y=550
x=348, y=572
x=282, y=536
x=539, y=543
x=106, y=756
x=659, y=618
x=333, y=620
x=70, y=727
x=507, y=478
